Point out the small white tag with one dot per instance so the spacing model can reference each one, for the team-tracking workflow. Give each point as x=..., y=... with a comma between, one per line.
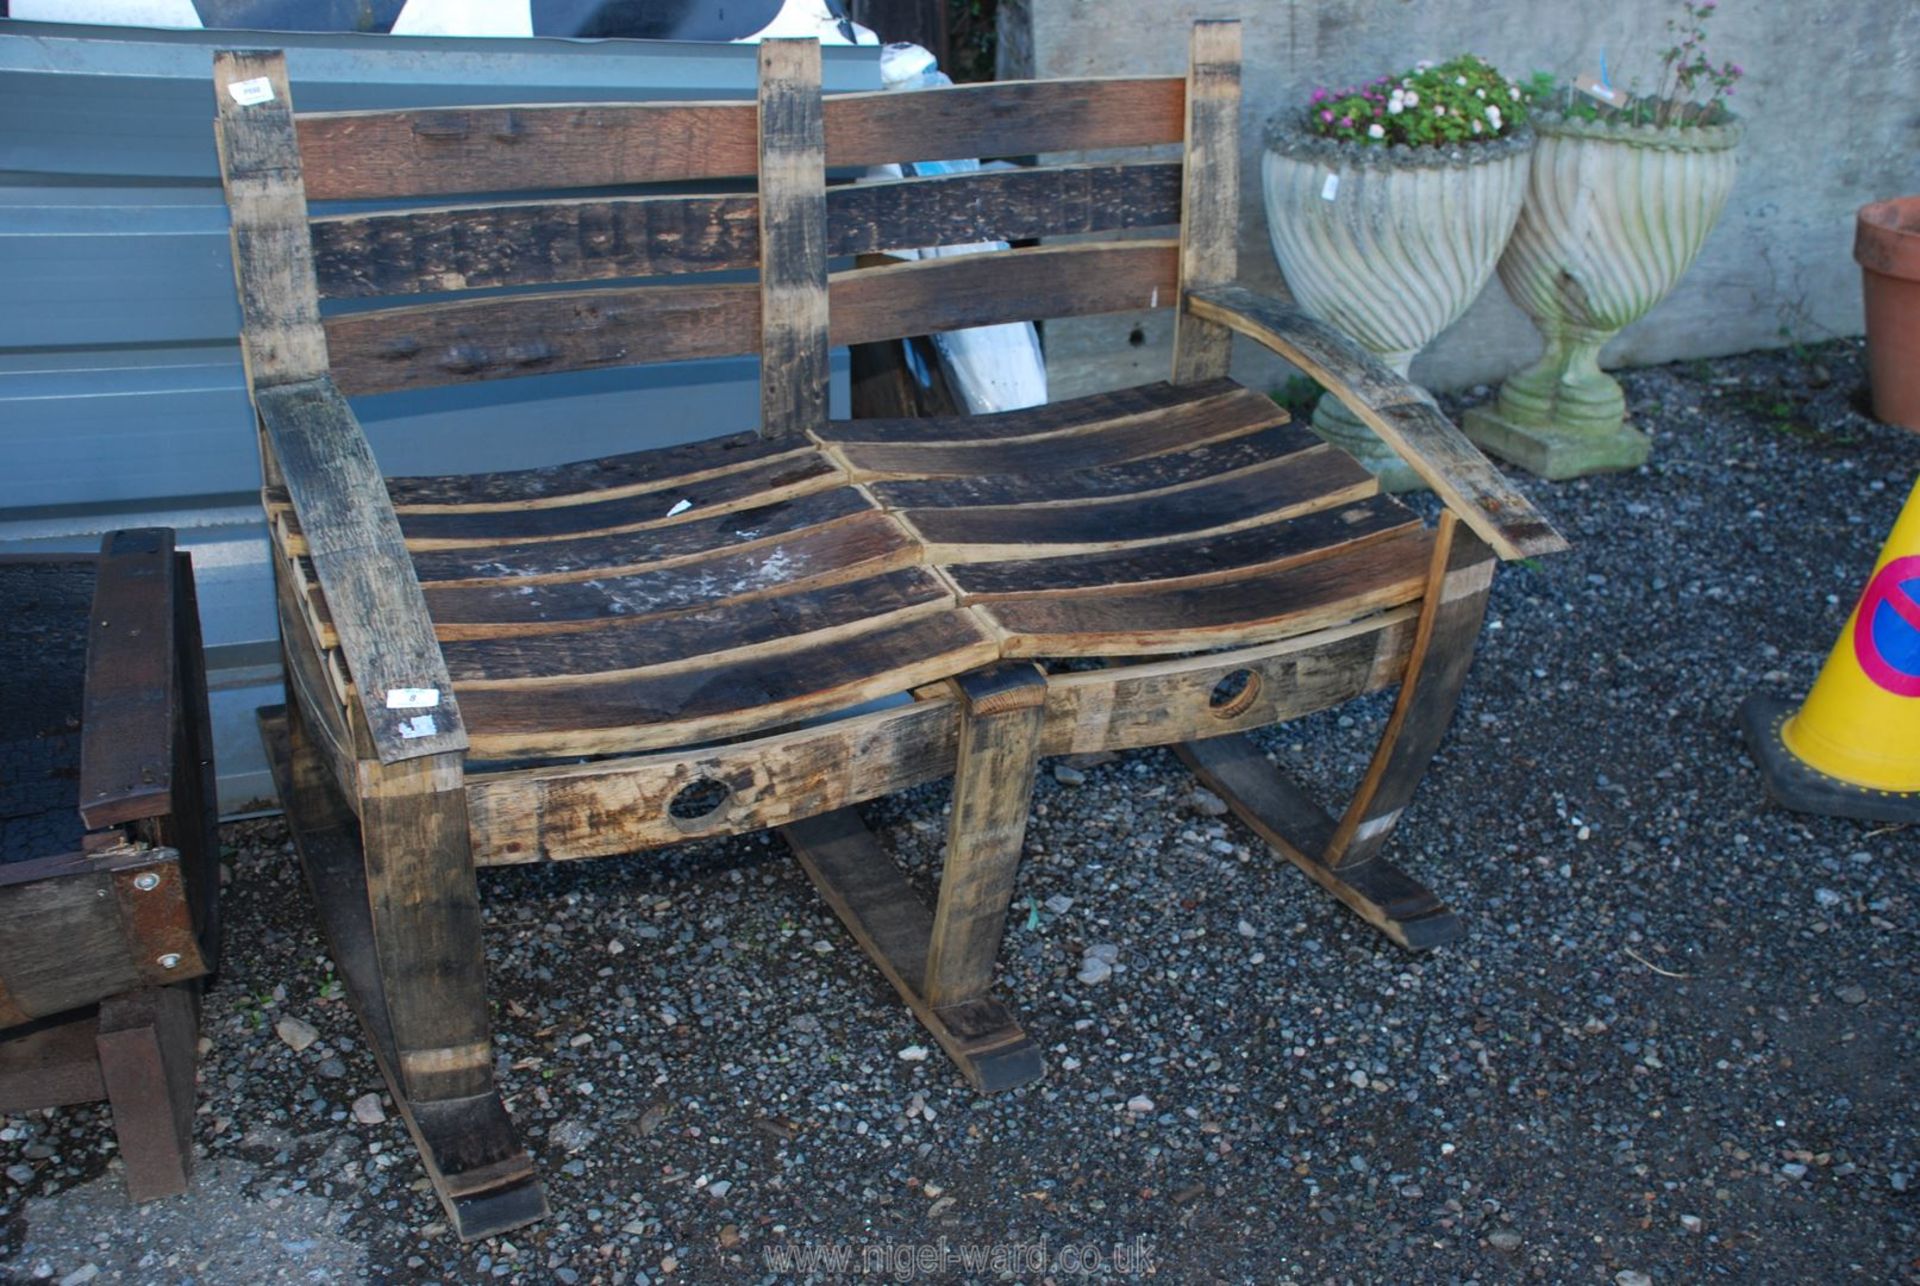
x=1593, y=87
x=421, y=725
x=680, y=507
x=412, y=698
x=248, y=92
x=1331, y=188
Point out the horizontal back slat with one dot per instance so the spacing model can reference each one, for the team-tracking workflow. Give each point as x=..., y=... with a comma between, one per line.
x=596, y=239
x=929, y=296
x=439, y=151
x=1000, y=205
x=523, y=243
x=433, y=344
x=1005, y=118
x=348, y=156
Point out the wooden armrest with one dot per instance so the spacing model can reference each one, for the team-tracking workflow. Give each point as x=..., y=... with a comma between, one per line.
x=361, y=561
x=1403, y=417
x=128, y=710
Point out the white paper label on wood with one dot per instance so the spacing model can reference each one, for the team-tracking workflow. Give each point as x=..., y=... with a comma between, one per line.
x=421, y=725
x=412, y=698
x=248, y=92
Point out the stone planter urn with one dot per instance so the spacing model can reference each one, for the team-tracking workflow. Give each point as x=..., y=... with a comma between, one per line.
x=1390, y=245
x=1615, y=213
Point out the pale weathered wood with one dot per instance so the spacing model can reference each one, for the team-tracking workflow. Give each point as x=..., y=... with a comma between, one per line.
x=362, y=564
x=1001, y=205
x=280, y=335
x=793, y=240
x=1001, y=712
x=1210, y=205
x=1403, y=417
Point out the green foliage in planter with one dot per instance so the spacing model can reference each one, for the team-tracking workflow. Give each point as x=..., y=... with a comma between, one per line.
x=1464, y=100
x=1692, y=90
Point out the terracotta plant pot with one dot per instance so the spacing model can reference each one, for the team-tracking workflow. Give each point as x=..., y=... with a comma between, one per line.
x=1886, y=241
x=1390, y=245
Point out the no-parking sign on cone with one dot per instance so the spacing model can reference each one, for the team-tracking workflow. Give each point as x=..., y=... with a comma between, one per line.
x=1853, y=747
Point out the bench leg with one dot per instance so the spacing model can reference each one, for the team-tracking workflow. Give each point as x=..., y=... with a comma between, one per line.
x=396, y=896
x=942, y=963
x=1343, y=856
x=147, y=1043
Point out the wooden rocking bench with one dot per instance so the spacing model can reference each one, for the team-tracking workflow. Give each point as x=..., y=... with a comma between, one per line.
x=598, y=658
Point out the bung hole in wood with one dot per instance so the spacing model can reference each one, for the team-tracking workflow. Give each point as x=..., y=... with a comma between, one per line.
x=1234, y=694
x=698, y=801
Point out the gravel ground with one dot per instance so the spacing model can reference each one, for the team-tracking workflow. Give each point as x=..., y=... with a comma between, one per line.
x=1678, y=1043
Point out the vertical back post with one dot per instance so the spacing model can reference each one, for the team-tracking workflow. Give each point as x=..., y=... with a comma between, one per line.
x=1210, y=197
x=280, y=336
x=793, y=240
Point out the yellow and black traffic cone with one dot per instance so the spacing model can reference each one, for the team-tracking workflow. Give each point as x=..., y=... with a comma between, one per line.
x=1853, y=747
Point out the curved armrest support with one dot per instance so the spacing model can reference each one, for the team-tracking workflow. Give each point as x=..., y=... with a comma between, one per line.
x=1405, y=418
x=361, y=560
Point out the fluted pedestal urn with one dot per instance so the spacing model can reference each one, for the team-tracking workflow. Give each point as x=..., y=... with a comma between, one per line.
x=1390, y=245
x=1614, y=215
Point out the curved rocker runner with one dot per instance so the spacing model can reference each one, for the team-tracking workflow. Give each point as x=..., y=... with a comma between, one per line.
x=595, y=658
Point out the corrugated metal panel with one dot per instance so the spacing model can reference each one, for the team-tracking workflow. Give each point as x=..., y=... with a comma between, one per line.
x=121, y=396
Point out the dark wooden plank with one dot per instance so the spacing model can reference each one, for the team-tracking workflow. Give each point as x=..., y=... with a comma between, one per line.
x=280, y=332
x=1174, y=469
x=780, y=479
x=1277, y=545
x=1450, y=618
x=1000, y=205
x=1026, y=421
x=680, y=706
x=1002, y=709
x=928, y=296
x=353, y=156
x=130, y=712
x=72, y=939
x=631, y=473
x=52, y=1063
x=407, y=252
x=793, y=240
x=862, y=886
x=361, y=562
x=1283, y=815
x=1263, y=494
x=1210, y=205
x=732, y=627
x=1430, y=443
x=146, y=1043
x=1091, y=446
x=1004, y=118
x=427, y=345
x=1383, y=573
x=458, y=1141
x=616, y=555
